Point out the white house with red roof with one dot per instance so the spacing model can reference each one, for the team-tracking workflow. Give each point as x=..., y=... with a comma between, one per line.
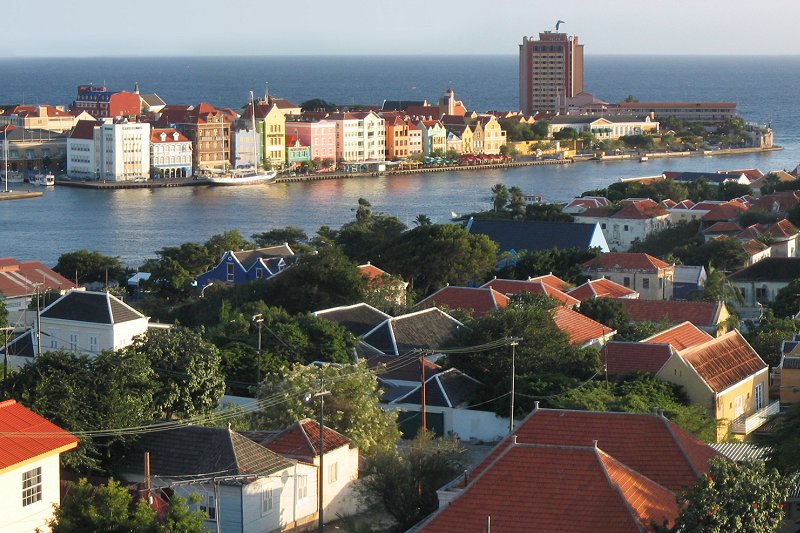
x=170, y=153
x=651, y=277
x=381, y=283
x=30, y=476
x=638, y=218
x=20, y=281
x=601, y=288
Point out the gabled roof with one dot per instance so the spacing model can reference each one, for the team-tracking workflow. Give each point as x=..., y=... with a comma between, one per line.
x=625, y=357
x=777, y=202
x=680, y=337
x=650, y=444
x=770, y=269
x=92, y=307
x=726, y=211
x=533, y=487
x=477, y=300
x=552, y=280
x=21, y=278
x=580, y=328
x=620, y=261
x=393, y=368
x=450, y=388
x=723, y=361
x=248, y=257
x=371, y=271
x=752, y=232
x=426, y=329
x=783, y=229
x=22, y=345
x=155, y=136
x=358, y=319
x=723, y=227
x=753, y=247
x=601, y=288
x=301, y=440
x=534, y=235
x=26, y=436
x=202, y=451
x=539, y=285
x=84, y=129
x=703, y=314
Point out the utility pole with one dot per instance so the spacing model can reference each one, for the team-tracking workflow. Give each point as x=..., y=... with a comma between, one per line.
x=514, y=343
x=258, y=320
x=5, y=351
x=38, y=323
x=320, y=486
x=423, y=388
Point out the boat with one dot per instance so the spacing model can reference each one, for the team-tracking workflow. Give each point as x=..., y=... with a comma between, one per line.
x=643, y=159
x=43, y=180
x=238, y=177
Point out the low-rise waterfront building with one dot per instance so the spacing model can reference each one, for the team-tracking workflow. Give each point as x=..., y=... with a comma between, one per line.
x=434, y=137
x=296, y=151
x=170, y=153
x=209, y=129
x=604, y=128
x=318, y=135
x=101, y=103
x=414, y=139
x=38, y=117
x=360, y=136
x=396, y=136
x=494, y=137
x=115, y=150
x=246, y=148
x=32, y=150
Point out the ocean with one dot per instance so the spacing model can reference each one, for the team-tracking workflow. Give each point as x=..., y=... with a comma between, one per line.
x=133, y=224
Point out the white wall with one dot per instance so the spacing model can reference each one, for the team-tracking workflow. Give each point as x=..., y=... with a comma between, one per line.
x=466, y=424
x=14, y=518
x=56, y=334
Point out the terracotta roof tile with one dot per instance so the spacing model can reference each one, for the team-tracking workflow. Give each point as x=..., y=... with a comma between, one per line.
x=301, y=440
x=783, y=229
x=752, y=247
x=512, y=287
x=681, y=336
x=625, y=261
x=602, y=288
x=18, y=278
x=723, y=227
x=724, y=361
x=703, y=314
x=478, y=300
x=625, y=357
x=580, y=328
x=371, y=271
x=25, y=436
x=553, y=281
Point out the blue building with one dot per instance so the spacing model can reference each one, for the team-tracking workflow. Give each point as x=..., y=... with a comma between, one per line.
x=248, y=265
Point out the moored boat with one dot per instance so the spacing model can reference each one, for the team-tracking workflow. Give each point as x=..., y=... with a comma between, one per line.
x=243, y=178
x=43, y=180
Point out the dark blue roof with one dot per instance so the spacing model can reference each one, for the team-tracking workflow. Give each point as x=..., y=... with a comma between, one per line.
x=534, y=235
x=713, y=177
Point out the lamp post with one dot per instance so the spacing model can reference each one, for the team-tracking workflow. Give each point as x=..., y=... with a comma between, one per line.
x=321, y=395
x=258, y=320
x=203, y=290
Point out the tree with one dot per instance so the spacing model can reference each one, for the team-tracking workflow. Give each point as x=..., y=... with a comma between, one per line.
x=547, y=213
x=432, y=256
x=675, y=240
x=290, y=235
x=540, y=129
x=352, y=407
x=744, y=497
x=229, y=240
x=766, y=335
x=187, y=370
x=422, y=220
x=111, y=508
x=719, y=289
x=362, y=239
x=84, y=266
x=725, y=254
x=613, y=314
x=517, y=203
x=562, y=262
x=787, y=300
x=406, y=483
x=317, y=104
x=781, y=444
x=730, y=190
x=499, y=197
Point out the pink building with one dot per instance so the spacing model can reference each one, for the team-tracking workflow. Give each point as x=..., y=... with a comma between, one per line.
x=319, y=135
x=414, y=139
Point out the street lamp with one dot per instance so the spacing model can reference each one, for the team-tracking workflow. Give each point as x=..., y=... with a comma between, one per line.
x=203, y=290
x=321, y=395
x=258, y=320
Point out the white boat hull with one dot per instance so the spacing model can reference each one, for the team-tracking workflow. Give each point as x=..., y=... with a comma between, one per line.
x=245, y=179
x=43, y=180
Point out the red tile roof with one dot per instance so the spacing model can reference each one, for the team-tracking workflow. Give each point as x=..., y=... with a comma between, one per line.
x=723, y=227
x=371, y=271
x=724, y=361
x=681, y=336
x=301, y=440
x=557, y=488
x=752, y=247
x=625, y=261
x=478, y=300
x=26, y=436
x=512, y=287
x=155, y=135
x=783, y=229
x=728, y=211
x=625, y=357
x=19, y=278
x=702, y=314
x=553, y=281
x=752, y=232
x=580, y=328
x=601, y=288
x=781, y=201
x=650, y=444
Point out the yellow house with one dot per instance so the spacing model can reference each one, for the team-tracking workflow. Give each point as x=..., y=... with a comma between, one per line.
x=477, y=138
x=727, y=377
x=273, y=126
x=493, y=134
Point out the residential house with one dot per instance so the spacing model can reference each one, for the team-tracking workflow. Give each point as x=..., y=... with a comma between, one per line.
x=360, y=136
x=548, y=285
x=101, y=103
x=783, y=238
x=296, y=152
x=580, y=329
x=52, y=118
x=708, y=212
x=728, y=378
x=478, y=137
x=601, y=288
x=759, y=283
x=396, y=136
x=434, y=137
x=170, y=153
x=21, y=282
x=242, y=486
x=359, y=319
x=319, y=135
x=604, y=128
x=787, y=377
x=422, y=330
x=248, y=265
x=756, y=251
x=652, y=278
x=688, y=280
x=246, y=149
x=557, y=466
x=383, y=285
x=721, y=229
x=635, y=221
x=301, y=442
x=270, y=121
x=30, y=474
x=711, y=317
x=494, y=137
x=477, y=301
x=414, y=139
x=777, y=203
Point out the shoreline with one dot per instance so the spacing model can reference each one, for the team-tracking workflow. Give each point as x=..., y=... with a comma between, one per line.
x=192, y=182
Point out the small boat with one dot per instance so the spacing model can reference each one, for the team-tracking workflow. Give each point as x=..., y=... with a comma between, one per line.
x=43, y=180
x=643, y=159
x=243, y=178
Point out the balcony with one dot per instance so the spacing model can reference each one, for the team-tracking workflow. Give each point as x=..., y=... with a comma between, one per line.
x=746, y=424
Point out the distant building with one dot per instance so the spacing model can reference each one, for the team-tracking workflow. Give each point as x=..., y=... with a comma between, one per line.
x=704, y=112
x=245, y=148
x=115, y=150
x=396, y=136
x=651, y=277
x=101, y=103
x=43, y=117
x=32, y=150
x=318, y=135
x=20, y=281
x=248, y=265
x=549, y=67
x=170, y=153
x=209, y=129
x=604, y=128
x=434, y=137
x=360, y=136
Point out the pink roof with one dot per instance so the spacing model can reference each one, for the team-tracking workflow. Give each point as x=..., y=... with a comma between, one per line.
x=26, y=436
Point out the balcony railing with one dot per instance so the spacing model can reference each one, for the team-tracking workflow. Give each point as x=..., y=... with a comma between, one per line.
x=746, y=424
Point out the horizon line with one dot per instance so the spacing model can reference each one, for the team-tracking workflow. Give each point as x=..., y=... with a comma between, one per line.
x=345, y=55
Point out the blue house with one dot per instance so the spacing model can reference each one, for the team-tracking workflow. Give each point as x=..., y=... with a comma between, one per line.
x=248, y=265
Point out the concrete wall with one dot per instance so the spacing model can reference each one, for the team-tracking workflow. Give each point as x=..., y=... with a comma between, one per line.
x=465, y=424
x=14, y=518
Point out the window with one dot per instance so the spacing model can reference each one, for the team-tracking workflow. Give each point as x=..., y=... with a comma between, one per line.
x=645, y=283
x=625, y=227
x=73, y=341
x=54, y=334
x=93, y=342
x=626, y=281
x=333, y=472
x=267, y=501
x=302, y=487
x=230, y=271
x=209, y=506
x=259, y=274
x=31, y=486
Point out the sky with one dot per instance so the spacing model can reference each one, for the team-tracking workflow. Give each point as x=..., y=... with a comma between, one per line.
x=59, y=28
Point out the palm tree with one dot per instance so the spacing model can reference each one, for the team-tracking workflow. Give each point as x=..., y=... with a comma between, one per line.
x=499, y=197
x=422, y=220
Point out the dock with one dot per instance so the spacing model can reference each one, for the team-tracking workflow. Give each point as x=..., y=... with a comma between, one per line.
x=149, y=184
x=12, y=195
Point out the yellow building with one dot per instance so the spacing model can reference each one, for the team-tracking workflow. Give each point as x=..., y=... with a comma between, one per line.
x=271, y=124
x=494, y=136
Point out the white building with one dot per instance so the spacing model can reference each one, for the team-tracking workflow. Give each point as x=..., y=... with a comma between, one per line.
x=170, y=153
x=111, y=150
x=83, y=151
x=638, y=218
x=360, y=136
x=29, y=471
x=604, y=128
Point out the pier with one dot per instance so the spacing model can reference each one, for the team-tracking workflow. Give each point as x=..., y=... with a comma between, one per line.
x=11, y=195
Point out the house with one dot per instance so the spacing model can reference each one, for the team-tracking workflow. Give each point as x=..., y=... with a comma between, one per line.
x=422, y=330
x=556, y=467
x=270, y=121
x=319, y=135
x=21, y=282
x=359, y=319
x=759, y=283
x=381, y=283
x=726, y=376
x=652, y=278
x=494, y=137
x=101, y=103
x=548, y=285
x=716, y=178
x=721, y=229
x=477, y=301
x=170, y=153
x=638, y=218
x=242, y=486
x=301, y=442
x=688, y=280
x=248, y=265
x=711, y=317
x=601, y=288
x=788, y=379
x=581, y=330
x=779, y=202
x=208, y=127
x=434, y=137
x=604, y=128
x=29, y=468
x=756, y=251
x=532, y=235
x=708, y=212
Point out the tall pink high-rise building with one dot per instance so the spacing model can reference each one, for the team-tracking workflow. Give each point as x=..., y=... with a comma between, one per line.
x=550, y=69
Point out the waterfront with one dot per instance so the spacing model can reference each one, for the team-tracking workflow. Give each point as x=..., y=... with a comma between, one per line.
x=134, y=223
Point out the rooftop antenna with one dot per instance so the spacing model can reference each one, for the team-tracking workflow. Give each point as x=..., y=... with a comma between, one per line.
x=558, y=23
x=266, y=92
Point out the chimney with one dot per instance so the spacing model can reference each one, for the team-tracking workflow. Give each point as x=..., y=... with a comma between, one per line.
x=513, y=440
